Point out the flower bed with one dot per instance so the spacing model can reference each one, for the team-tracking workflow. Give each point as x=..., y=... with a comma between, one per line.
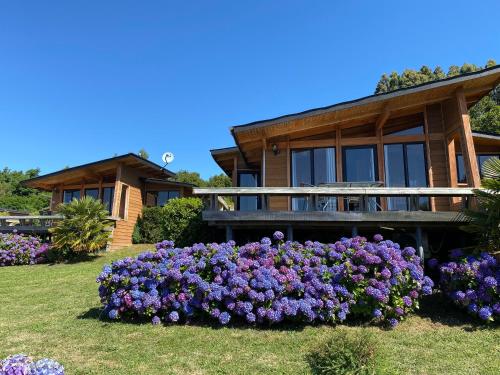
x=18, y=249
x=265, y=283
x=20, y=364
x=473, y=283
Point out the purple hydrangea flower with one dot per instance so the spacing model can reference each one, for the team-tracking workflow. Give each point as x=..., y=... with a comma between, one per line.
x=278, y=236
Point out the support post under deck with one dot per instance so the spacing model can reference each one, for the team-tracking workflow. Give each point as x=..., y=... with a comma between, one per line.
x=354, y=232
x=289, y=233
x=229, y=233
x=420, y=246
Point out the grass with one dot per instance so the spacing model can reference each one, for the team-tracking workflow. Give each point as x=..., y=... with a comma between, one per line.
x=52, y=311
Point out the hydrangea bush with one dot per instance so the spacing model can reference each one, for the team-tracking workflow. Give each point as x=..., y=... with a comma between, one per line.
x=265, y=283
x=473, y=283
x=21, y=364
x=18, y=249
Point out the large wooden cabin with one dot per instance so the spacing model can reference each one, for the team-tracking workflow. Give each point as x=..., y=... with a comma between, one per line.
x=125, y=184
x=405, y=159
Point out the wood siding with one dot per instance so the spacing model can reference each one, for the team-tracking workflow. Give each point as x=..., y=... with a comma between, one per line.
x=122, y=234
x=438, y=165
x=276, y=175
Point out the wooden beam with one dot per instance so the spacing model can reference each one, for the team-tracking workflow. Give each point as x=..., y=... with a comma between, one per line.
x=466, y=142
x=338, y=162
x=234, y=175
x=263, y=168
x=288, y=172
x=117, y=194
x=382, y=119
x=381, y=160
x=430, y=174
x=350, y=189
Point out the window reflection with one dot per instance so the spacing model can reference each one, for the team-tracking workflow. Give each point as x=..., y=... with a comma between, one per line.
x=360, y=165
x=405, y=167
x=313, y=167
x=248, y=203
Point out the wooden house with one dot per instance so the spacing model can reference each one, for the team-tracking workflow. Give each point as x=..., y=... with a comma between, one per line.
x=403, y=159
x=125, y=184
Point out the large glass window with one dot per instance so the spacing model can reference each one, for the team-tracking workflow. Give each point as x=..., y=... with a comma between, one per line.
x=160, y=198
x=313, y=167
x=461, y=176
x=69, y=195
x=92, y=193
x=416, y=130
x=248, y=203
x=360, y=165
x=107, y=198
x=405, y=167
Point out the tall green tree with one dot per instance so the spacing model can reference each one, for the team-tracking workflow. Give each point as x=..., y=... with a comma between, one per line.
x=143, y=153
x=218, y=180
x=485, y=114
x=14, y=195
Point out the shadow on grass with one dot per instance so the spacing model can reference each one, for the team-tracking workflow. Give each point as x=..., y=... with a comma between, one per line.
x=97, y=313
x=436, y=307
x=81, y=258
x=440, y=309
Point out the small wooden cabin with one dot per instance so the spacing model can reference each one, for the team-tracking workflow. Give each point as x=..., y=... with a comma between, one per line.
x=125, y=184
x=364, y=163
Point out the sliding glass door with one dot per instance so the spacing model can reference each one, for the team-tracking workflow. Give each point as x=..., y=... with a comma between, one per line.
x=405, y=166
x=313, y=167
x=248, y=203
x=360, y=165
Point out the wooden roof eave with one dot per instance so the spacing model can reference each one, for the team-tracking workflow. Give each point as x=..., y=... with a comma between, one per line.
x=475, y=86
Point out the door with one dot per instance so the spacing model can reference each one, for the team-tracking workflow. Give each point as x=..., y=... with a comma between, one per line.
x=360, y=165
x=405, y=166
x=248, y=203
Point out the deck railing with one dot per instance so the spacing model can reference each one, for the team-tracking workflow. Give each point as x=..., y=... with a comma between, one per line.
x=31, y=223
x=361, y=194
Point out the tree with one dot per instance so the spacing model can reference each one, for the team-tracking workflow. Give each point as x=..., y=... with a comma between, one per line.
x=190, y=178
x=219, y=180
x=485, y=114
x=14, y=195
x=143, y=153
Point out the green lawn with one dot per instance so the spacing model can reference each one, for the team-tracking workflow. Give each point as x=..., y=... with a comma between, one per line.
x=51, y=311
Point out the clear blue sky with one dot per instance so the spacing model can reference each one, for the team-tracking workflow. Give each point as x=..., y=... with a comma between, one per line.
x=83, y=80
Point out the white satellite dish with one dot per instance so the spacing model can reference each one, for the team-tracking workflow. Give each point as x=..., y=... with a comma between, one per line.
x=167, y=157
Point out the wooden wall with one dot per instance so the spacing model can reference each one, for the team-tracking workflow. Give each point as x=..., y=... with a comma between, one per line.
x=438, y=166
x=276, y=175
x=122, y=234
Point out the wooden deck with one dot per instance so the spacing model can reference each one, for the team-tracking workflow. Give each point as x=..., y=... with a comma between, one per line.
x=335, y=218
x=364, y=217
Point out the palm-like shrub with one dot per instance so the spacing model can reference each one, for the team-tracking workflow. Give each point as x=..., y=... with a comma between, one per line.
x=85, y=227
x=485, y=221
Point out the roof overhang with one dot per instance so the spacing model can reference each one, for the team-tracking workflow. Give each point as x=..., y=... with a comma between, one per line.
x=97, y=170
x=364, y=110
x=224, y=157
x=168, y=182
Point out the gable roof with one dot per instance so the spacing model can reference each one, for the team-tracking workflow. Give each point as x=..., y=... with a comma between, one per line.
x=147, y=169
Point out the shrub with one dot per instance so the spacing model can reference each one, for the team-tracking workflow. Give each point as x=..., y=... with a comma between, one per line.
x=485, y=222
x=179, y=221
x=473, y=283
x=84, y=229
x=183, y=223
x=18, y=249
x=264, y=283
x=20, y=364
x=344, y=354
x=151, y=224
